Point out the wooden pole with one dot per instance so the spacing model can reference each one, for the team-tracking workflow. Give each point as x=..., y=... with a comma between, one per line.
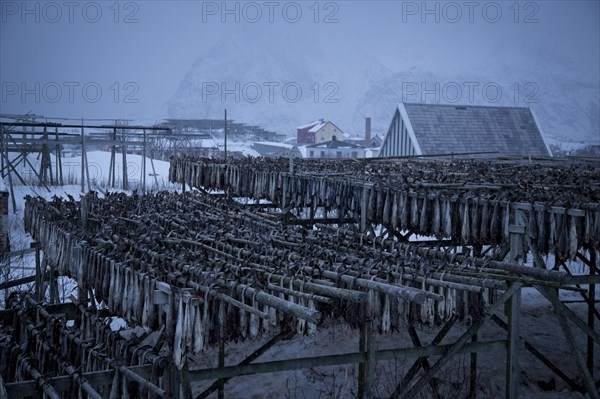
x=124, y=149
x=82, y=158
x=8, y=164
x=512, y=345
x=473, y=371
x=144, y=163
x=590, y=316
x=221, y=361
x=39, y=274
x=225, y=131
x=111, y=168
x=58, y=157
x=366, y=369
x=154, y=171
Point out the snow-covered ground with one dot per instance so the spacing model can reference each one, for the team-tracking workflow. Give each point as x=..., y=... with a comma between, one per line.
x=98, y=166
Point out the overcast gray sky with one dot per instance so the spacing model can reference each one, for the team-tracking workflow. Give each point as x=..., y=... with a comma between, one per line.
x=137, y=53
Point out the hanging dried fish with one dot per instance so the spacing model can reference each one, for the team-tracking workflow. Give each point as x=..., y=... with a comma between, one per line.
x=447, y=218
x=387, y=208
x=543, y=222
x=198, y=344
x=572, y=240
x=506, y=221
x=372, y=204
x=312, y=327
x=436, y=221
x=395, y=212
x=178, y=351
x=379, y=205
x=188, y=321
x=243, y=324
x=465, y=232
x=386, y=316
x=424, y=217
x=254, y=320
x=475, y=222
x=496, y=224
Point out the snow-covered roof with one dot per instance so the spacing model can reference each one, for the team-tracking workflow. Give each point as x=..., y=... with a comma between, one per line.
x=310, y=124
x=334, y=144
x=318, y=127
x=443, y=128
x=274, y=144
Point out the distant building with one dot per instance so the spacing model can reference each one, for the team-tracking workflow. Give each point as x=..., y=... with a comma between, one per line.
x=318, y=132
x=335, y=149
x=273, y=149
x=374, y=142
x=430, y=129
x=591, y=151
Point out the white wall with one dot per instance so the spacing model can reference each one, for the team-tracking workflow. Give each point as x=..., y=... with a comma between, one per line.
x=332, y=153
x=327, y=132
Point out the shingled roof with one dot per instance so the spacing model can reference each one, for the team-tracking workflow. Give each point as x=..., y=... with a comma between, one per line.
x=442, y=129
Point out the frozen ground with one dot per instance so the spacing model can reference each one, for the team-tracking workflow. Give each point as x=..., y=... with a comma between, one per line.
x=98, y=165
x=538, y=326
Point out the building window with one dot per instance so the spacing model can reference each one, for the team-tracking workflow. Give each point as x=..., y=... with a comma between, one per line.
x=339, y=154
x=322, y=154
x=354, y=154
x=311, y=154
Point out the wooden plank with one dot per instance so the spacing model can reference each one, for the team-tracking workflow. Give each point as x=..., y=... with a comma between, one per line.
x=20, y=252
x=17, y=282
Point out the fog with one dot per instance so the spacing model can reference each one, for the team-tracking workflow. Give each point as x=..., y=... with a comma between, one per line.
x=142, y=60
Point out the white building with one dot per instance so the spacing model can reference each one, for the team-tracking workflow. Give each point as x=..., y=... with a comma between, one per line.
x=318, y=132
x=334, y=149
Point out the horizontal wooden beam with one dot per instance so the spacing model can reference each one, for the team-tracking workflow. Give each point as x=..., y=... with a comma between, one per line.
x=17, y=282
x=73, y=126
x=308, y=222
x=63, y=383
x=334, y=360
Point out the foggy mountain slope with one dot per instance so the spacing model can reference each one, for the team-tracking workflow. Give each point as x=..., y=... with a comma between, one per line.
x=296, y=85
x=567, y=106
x=345, y=86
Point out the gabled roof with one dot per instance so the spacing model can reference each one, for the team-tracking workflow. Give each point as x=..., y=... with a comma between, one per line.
x=334, y=144
x=444, y=128
x=317, y=127
x=311, y=124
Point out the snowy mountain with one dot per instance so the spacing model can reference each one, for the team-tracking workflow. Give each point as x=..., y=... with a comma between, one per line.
x=281, y=86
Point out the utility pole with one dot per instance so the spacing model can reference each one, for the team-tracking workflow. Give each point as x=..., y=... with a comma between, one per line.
x=225, y=135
